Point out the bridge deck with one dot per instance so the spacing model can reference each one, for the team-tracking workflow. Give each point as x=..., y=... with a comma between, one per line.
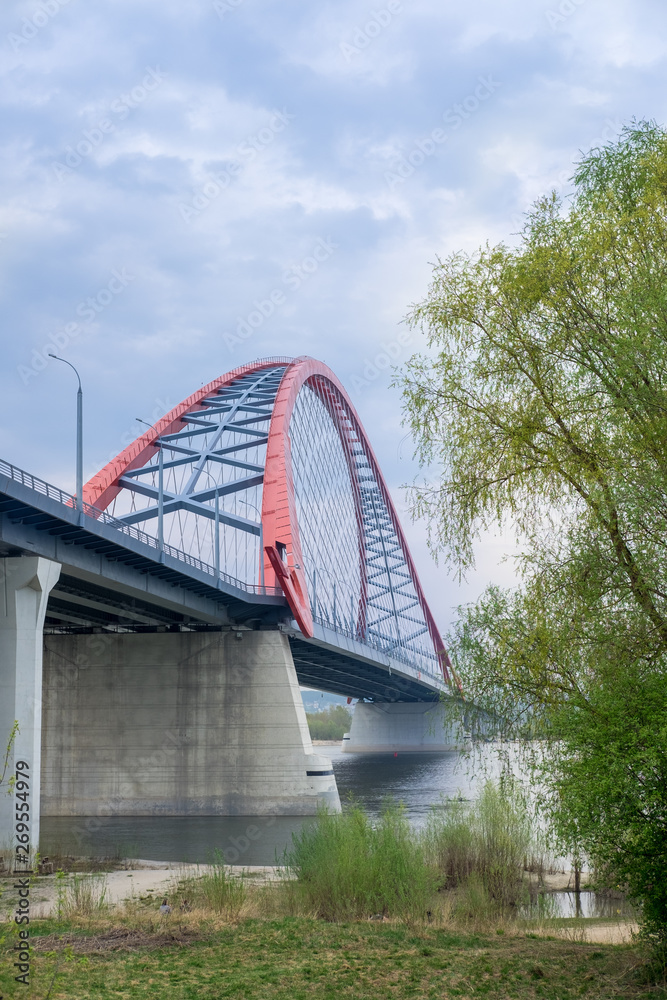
x=117, y=579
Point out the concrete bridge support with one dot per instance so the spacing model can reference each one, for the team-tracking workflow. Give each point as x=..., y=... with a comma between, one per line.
x=25, y=583
x=174, y=724
x=406, y=726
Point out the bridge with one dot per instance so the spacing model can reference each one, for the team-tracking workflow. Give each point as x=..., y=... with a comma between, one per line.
x=155, y=632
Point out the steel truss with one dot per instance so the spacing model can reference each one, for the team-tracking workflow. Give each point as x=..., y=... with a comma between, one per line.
x=280, y=438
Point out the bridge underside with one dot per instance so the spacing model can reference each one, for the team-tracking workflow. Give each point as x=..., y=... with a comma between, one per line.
x=322, y=664
x=77, y=586
x=79, y=607
x=112, y=583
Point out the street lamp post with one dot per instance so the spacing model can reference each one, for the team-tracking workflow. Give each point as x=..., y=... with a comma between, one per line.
x=261, y=540
x=79, y=434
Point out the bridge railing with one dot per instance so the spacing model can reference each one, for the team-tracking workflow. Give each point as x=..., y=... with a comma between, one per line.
x=278, y=360
x=101, y=516
x=388, y=647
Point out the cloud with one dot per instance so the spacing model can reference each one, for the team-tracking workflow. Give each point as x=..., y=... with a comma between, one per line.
x=260, y=196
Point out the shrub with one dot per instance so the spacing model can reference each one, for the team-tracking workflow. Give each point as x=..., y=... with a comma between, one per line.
x=348, y=867
x=484, y=845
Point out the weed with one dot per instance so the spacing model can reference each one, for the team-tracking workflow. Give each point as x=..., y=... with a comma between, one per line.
x=346, y=866
x=217, y=890
x=482, y=849
x=80, y=896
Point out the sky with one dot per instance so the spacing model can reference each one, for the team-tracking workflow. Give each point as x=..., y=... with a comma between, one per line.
x=188, y=186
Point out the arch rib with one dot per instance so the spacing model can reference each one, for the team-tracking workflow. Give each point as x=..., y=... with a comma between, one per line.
x=282, y=556
x=279, y=516
x=102, y=489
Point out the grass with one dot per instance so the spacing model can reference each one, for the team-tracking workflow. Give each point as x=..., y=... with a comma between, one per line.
x=216, y=890
x=297, y=957
x=346, y=866
x=80, y=895
x=372, y=910
x=484, y=849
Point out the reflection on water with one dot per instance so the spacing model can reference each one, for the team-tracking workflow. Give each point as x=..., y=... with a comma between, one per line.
x=243, y=840
x=417, y=780
x=582, y=904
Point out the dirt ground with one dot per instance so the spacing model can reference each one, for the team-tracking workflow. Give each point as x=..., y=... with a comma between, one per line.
x=158, y=879
x=148, y=877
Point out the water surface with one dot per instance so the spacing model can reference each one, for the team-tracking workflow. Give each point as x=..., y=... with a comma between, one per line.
x=416, y=779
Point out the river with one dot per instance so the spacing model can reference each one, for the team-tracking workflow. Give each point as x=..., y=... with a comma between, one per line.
x=419, y=781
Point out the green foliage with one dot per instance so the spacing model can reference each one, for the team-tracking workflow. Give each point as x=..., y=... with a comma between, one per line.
x=61, y=892
x=331, y=724
x=217, y=889
x=80, y=895
x=484, y=846
x=348, y=866
x=611, y=769
x=5, y=763
x=542, y=408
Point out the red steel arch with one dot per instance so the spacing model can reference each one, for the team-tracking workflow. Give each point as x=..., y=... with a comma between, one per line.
x=283, y=558
x=279, y=517
x=103, y=487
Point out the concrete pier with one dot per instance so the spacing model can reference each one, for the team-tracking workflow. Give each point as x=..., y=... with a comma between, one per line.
x=406, y=726
x=175, y=724
x=25, y=583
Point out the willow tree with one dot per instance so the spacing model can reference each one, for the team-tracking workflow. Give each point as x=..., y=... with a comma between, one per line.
x=541, y=405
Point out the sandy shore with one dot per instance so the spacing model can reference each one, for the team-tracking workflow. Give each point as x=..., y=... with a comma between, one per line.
x=148, y=877
x=159, y=879
x=611, y=932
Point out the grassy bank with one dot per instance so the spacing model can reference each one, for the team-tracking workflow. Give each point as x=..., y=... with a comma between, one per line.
x=191, y=955
x=366, y=910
